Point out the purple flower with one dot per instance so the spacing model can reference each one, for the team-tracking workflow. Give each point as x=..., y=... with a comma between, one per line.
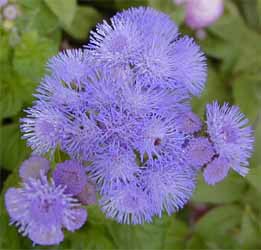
x=66, y=98
x=159, y=136
x=42, y=127
x=199, y=152
x=190, y=65
x=216, y=171
x=124, y=106
x=128, y=203
x=32, y=167
x=188, y=122
x=10, y=12
x=230, y=135
x=170, y=186
x=3, y=3
x=41, y=210
x=70, y=66
x=72, y=175
x=146, y=41
x=113, y=166
x=203, y=13
x=118, y=125
x=88, y=194
x=81, y=135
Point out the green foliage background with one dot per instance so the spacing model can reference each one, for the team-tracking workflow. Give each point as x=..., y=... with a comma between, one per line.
x=227, y=216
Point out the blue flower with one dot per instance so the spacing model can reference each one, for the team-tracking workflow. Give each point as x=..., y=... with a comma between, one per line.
x=128, y=203
x=216, y=170
x=146, y=41
x=188, y=122
x=32, y=167
x=160, y=137
x=190, y=65
x=230, y=135
x=42, y=127
x=169, y=184
x=41, y=210
x=199, y=152
x=113, y=166
x=70, y=66
x=72, y=175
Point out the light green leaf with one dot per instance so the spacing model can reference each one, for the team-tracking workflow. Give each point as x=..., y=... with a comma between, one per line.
x=64, y=10
x=32, y=54
x=84, y=19
x=168, y=233
x=227, y=191
x=14, y=91
x=37, y=16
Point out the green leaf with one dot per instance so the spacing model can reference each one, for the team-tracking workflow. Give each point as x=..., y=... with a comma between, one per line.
x=84, y=19
x=37, y=16
x=215, y=89
x=254, y=177
x=168, y=233
x=249, y=236
x=12, y=149
x=177, y=13
x=15, y=91
x=227, y=191
x=32, y=54
x=5, y=50
x=231, y=29
x=64, y=10
x=249, y=11
x=219, y=227
x=119, y=4
x=247, y=94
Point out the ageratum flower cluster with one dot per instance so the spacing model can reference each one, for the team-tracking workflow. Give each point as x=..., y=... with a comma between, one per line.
x=121, y=106
x=42, y=208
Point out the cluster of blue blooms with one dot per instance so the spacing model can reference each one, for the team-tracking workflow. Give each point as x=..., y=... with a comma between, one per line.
x=121, y=106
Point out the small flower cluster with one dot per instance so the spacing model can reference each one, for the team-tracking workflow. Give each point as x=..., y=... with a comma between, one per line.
x=41, y=208
x=8, y=13
x=122, y=106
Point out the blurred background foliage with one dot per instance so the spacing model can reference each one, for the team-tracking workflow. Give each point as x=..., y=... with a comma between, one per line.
x=227, y=216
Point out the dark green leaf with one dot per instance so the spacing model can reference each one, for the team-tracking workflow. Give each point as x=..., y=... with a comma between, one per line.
x=84, y=19
x=12, y=149
x=249, y=11
x=249, y=236
x=254, y=177
x=177, y=13
x=64, y=10
x=227, y=191
x=219, y=227
x=215, y=89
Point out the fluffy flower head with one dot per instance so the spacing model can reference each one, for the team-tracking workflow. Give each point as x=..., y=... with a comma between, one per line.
x=72, y=175
x=232, y=138
x=41, y=209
